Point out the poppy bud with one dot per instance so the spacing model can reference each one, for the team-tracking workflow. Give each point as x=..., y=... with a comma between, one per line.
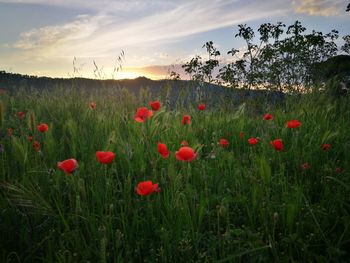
x=155, y=105
x=186, y=119
x=201, y=107
x=223, y=143
x=267, y=117
x=277, y=144
x=162, y=150
x=293, y=124
x=43, y=127
x=253, y=141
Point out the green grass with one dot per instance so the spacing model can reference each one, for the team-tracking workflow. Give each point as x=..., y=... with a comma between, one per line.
x=234, y=204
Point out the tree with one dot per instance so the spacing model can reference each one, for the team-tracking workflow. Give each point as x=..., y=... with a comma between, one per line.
x=276, y=57
x=346, y=46
x=203, y=72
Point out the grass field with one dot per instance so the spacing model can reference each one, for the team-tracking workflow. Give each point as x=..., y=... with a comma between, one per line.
x=239, y=203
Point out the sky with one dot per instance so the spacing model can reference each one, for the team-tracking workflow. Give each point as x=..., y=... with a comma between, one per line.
x=42, y=37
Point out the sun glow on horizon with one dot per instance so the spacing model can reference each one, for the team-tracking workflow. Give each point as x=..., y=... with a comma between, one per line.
x=128, y=75
x=136, y=74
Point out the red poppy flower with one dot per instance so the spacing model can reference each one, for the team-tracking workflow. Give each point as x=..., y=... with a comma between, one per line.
x=325, y=146
x=68, y=166
x=223, y=143
x=163, y=150
x=338, y=170
x=155, y=105
x=92, y=105
x=306, y=166
x=36, y=145
x=184, y=143
x=21, y=115
x=253, y=141
x=267, y=117
x=147, y=188
x=30, y=138
x=277, y=144
x=105, y=157
x=186, y=119
x=43, y=127
x=293, y=124
x=185, y=154
x=201, y=106
x=142, y=114
x=241, y=135
x=10, y=131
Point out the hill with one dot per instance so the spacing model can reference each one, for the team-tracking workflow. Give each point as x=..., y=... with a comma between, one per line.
x=173, y=89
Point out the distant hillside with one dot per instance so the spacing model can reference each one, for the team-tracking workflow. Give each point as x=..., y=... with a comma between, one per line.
x=187, y=90
x=337, y=66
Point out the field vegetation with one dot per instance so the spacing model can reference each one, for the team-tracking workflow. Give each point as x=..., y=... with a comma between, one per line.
x=107, y=176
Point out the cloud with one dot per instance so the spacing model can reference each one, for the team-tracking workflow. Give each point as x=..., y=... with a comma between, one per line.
x=319, y=7
x=103, y=33
x=97, y=5
x=48, y=36
x=142, y=28
x=5, y=45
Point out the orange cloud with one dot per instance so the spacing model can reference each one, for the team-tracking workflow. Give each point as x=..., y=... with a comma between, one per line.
x=318, y=7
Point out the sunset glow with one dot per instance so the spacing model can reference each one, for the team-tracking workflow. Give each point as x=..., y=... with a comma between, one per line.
x=127, y=75
x=41, y=37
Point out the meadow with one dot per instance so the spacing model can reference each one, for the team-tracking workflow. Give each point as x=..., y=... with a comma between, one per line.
x=235, y=201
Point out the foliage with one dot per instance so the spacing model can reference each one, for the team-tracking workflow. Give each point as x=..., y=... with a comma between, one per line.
x=282, y=58
x=240, y=203
x=203, y=72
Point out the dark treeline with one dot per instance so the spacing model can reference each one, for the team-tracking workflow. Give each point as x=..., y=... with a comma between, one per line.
x=172, y=92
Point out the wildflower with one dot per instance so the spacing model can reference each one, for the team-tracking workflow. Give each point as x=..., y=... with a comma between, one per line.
x=201, y=107
x=223, y=143
x=155, y=105
x=305, y=166
x=10, y=131
x=142, y=114
x=186, y=119
x=184, y=143
x=325, y=146
x=185, y=154
x=30, y=138
x=163, y=150
x=267, y=117
x=147, y=188
x=293, y=124
x=241, y=134
x=21, y=115
x=92, y=105
x=68, y=166
x=105, y=157
x=277, y=144
x=43, y=127
x=338, y=170
x=253, y=141
x=36, y=145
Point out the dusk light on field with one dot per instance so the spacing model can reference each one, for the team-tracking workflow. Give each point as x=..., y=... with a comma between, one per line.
x=174, y=131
